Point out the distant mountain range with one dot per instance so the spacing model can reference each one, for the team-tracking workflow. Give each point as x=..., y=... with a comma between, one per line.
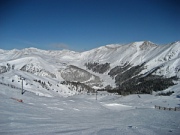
x=139, y=67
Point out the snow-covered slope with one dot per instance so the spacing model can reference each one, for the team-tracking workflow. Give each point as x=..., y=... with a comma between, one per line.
x=83, y=115
x=53, y=67
x=59, y=90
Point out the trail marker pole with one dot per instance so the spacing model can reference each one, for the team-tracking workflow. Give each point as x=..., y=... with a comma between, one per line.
x=21, y=78
x=96, y=94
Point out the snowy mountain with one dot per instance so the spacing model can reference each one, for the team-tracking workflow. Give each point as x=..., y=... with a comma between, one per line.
x=59, y=90
x=139, y=65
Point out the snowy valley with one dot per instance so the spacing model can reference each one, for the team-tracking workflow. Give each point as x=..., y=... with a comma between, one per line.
x=59, y=90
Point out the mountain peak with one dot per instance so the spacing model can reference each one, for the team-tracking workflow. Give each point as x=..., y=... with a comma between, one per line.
x=144, y=45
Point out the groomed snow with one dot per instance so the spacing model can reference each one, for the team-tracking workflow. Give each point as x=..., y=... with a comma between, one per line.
x=83, y=115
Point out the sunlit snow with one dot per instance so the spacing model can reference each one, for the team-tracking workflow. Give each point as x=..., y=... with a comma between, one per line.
x=84, y=115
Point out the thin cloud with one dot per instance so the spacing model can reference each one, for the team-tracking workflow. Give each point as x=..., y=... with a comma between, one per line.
x=60, y=46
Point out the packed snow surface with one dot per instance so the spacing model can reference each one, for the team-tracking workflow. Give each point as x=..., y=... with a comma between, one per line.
x=84, y=115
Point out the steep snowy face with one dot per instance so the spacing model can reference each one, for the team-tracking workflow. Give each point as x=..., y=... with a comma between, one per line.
x=168, y=57
x=147, y=45
x=120, y=54
x=137, y=53
x=143, y=45
x=172, y=52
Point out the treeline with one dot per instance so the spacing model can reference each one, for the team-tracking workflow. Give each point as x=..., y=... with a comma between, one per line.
x=8, y=67
x=118, y=70
x=80, y=87
x=96, y=67
x=129, y=81
x=43, y=84
x=165, y=93
x=144, y=87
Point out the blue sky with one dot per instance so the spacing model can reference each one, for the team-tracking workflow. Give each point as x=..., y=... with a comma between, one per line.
x=85, y=24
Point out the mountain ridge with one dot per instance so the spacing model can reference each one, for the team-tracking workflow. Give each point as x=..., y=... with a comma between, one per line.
x=125, y=62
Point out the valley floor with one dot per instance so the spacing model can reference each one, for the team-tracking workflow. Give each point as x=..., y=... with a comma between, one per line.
x=84, y=115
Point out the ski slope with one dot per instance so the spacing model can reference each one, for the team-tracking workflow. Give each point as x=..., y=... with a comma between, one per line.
x=84, y=115
x=51, y=107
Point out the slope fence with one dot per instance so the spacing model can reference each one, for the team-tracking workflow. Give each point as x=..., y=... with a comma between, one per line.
x=167, y=108
x=14, y=87
x=10, y=85
x=103, y=94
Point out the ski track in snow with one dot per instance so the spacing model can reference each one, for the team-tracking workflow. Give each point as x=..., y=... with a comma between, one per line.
x=84, y=115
